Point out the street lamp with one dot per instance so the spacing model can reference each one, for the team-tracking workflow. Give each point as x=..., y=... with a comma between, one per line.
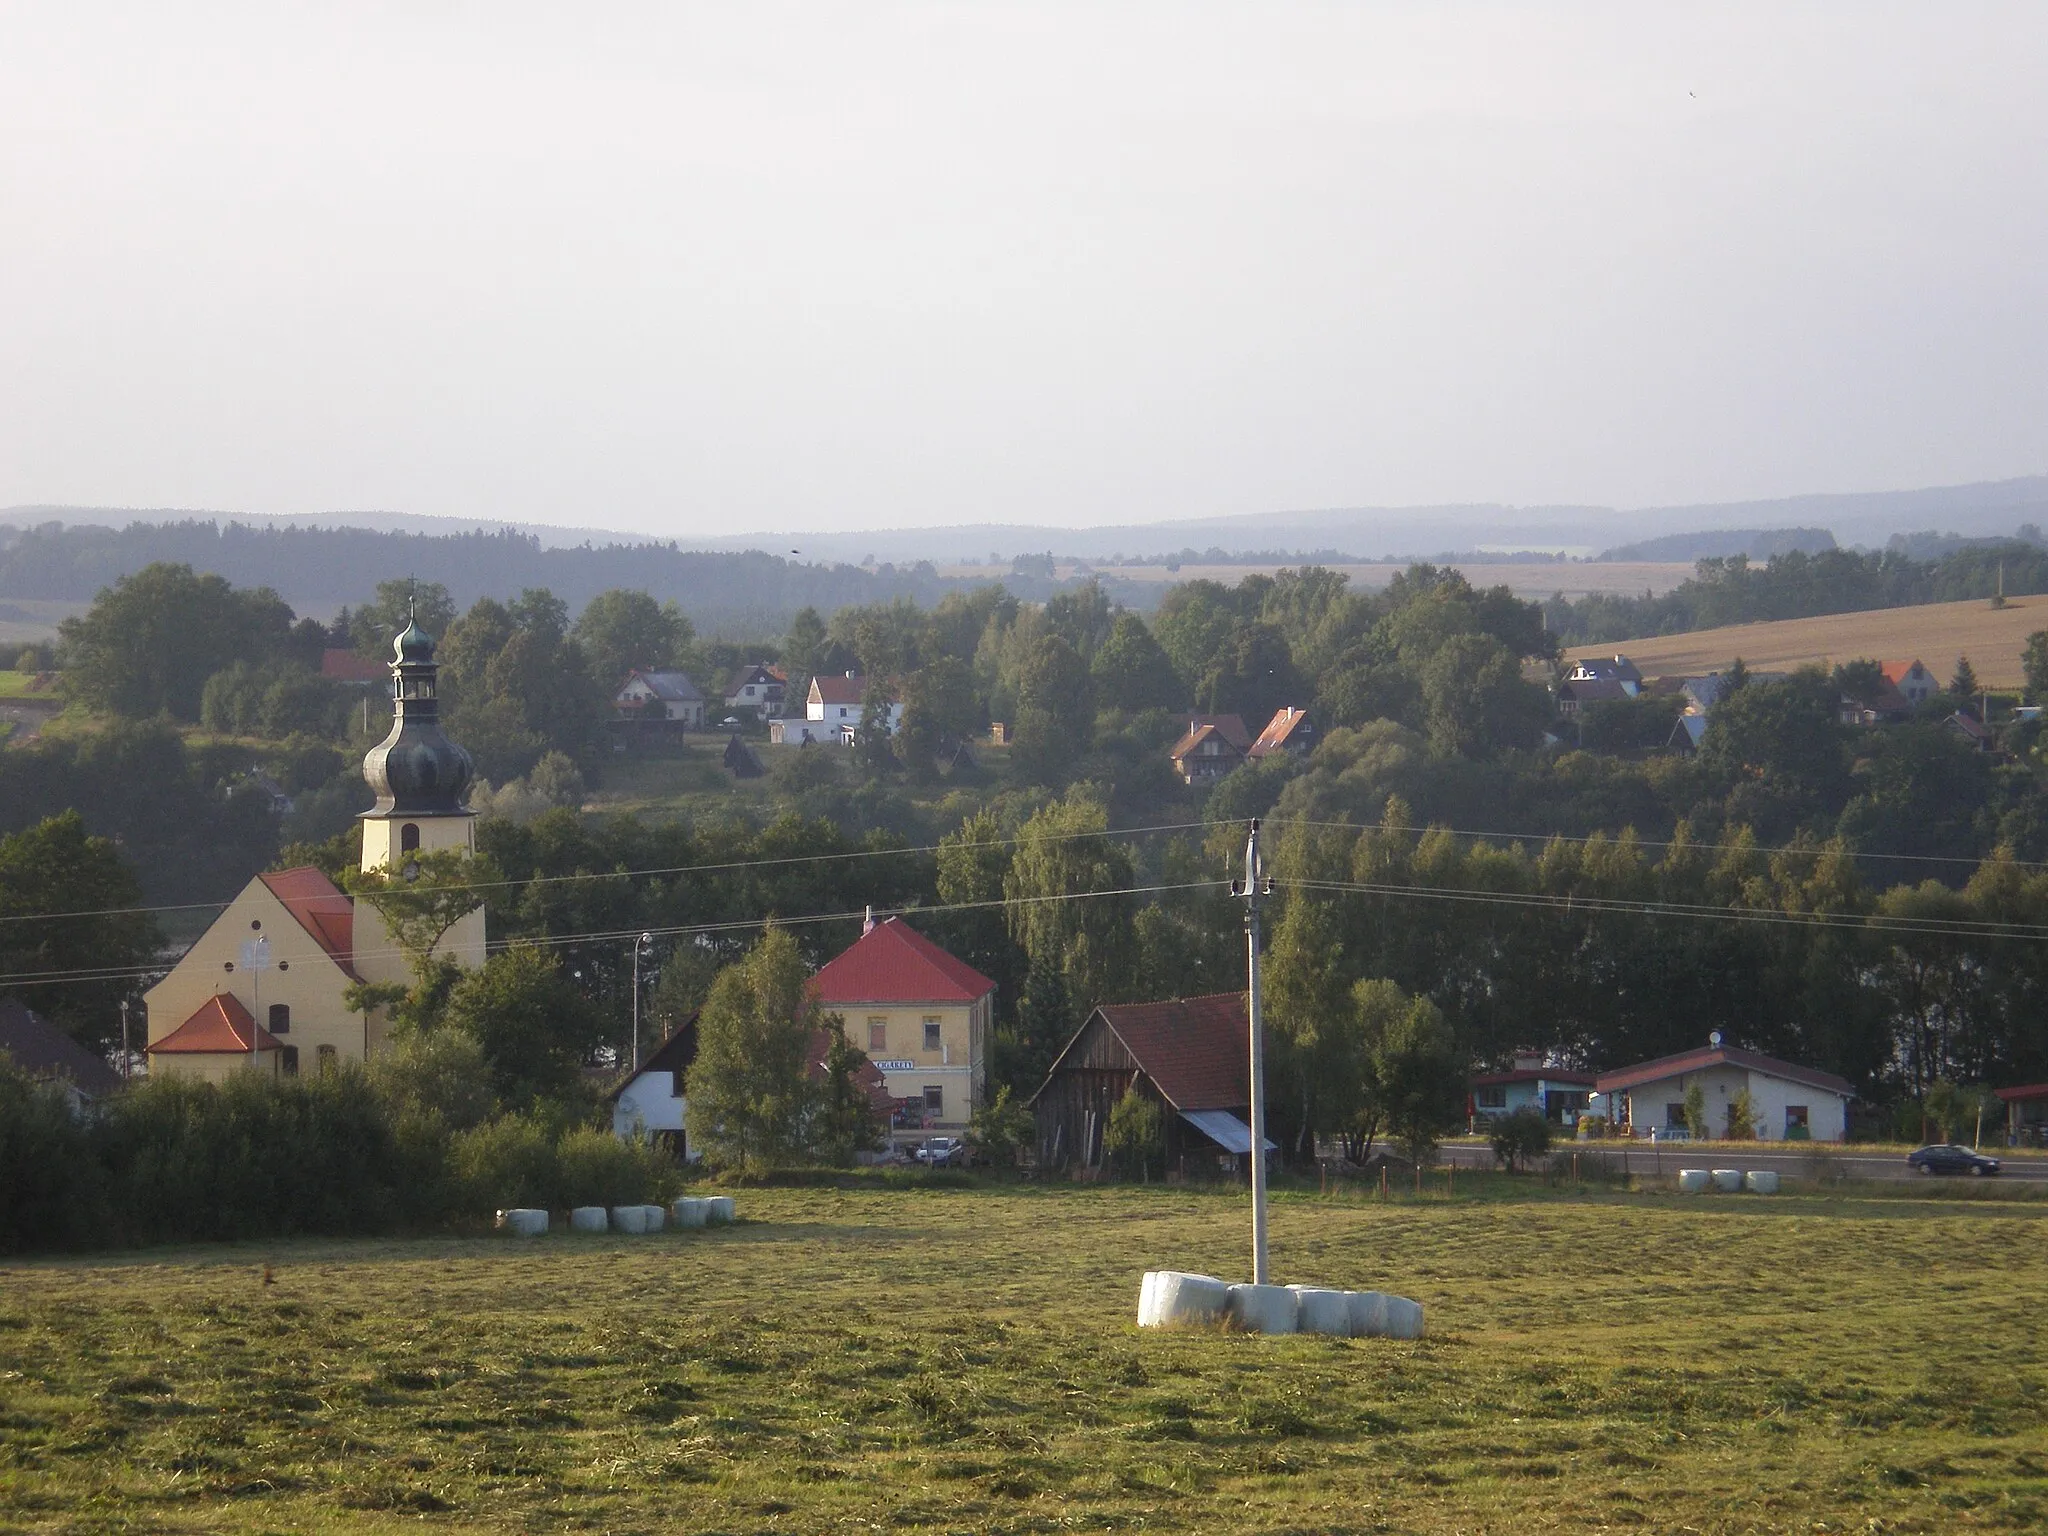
x=643, y=949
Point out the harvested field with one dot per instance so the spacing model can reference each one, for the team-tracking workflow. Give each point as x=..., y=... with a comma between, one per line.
x=1937, y=633
x=965, y=1360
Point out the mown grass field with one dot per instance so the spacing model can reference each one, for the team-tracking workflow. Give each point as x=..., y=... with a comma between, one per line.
x=965, y=1360
x=1937, y=633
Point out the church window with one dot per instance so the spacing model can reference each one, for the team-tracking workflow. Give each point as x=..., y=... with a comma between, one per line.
x=408, y=837
x=280, y=1018
x=255, y=925
x=290, y=1063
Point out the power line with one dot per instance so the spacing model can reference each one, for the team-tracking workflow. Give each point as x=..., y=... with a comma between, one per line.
x=676, y=869
x=621, y=935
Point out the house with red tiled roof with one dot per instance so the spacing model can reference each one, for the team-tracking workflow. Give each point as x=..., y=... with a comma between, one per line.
x=265, y=985
x=1210, y=749
x=926, y=1019
x=1916, y=685
x=1189, y=1055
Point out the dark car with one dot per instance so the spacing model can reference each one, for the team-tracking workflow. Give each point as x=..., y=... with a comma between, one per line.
x=1951, y=1159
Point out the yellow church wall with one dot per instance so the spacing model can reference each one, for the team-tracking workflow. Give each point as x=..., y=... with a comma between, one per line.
x=302, y=976
x=384, y=838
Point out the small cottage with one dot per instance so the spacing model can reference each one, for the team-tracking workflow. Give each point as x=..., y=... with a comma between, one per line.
x=1789, y=1102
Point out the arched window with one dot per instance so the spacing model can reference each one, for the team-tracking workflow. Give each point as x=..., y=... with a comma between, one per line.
x=408, y=837
x=280, y=1018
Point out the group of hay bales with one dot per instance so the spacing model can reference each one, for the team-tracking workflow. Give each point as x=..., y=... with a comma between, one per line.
x=1171, y=1298
x=1728, y=1181
x=636, y=1220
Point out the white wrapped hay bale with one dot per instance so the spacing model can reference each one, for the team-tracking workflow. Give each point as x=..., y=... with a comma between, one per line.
x=630, y=1219
x=1693, y=1181
x=1404, y=1318
x=1173, y=1297
x=1728, y=1180
x=1368, y=1312
x=656, y=1217
x=690, y=1212
x=522, y=1221
x=720, y=1209
x=588, y=1218
x=1322, y=1311
x=1760, y=1181
x=1265, y=1308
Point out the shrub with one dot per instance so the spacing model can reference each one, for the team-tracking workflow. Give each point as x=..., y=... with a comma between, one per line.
x=509, y=1161
x=597, y=1168
x=52, y=1194
x=1519, y=1139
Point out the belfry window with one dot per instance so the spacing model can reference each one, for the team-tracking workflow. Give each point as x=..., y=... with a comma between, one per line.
x=409, y=837
x=280, y=1018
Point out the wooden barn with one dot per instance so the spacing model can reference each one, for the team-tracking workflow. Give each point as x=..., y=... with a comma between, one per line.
x=1189, y=1055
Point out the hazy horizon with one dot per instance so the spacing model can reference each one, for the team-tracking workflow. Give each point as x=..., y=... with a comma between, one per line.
x=697, y=272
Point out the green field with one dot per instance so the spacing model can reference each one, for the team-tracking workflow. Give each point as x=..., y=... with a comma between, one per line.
x=966, y=1361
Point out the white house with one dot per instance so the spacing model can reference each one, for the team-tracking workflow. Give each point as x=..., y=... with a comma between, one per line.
x=659, y=696
x=651, y=1101
x=1788, y=1101
x=833, y=711
x=757, y=686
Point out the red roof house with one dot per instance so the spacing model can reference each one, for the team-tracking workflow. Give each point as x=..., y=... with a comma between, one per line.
x=893, y=963
x=321, y=909
x=344, y=666
x=1290, y=730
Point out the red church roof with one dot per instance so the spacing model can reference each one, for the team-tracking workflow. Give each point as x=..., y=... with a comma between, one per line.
x=894, y=963
x=220, y=1026
x=322, y=911
x=347, y=667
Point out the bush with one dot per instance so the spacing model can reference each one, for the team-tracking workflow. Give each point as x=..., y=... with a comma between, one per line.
x=52, y=1195
x=506, y=1162
x=1519, y=1139
x=597, y=1168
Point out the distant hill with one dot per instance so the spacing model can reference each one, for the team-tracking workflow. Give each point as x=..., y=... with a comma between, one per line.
x=1757, y=543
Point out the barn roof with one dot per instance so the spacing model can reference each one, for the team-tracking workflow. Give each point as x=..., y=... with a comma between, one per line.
x=1195, y=1049
x=893, y=963
x=219, y=1026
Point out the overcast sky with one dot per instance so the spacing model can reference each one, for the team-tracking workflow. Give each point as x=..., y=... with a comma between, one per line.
x=704, y=269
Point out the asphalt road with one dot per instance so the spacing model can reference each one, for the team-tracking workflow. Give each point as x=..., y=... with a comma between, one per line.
x=1641, y=1157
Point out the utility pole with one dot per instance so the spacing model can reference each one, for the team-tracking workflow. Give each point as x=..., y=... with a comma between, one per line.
x=127, y=1055
x=643, y=948
x=1255, y=888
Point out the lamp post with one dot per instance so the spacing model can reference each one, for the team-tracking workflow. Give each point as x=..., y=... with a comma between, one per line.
x=1256, y=886
x=643, y=949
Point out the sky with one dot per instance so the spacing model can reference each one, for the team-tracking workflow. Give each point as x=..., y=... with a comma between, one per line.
x=703, y=269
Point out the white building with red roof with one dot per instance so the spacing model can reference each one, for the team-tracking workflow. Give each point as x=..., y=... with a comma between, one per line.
x=925, y=1018
x=264, y=986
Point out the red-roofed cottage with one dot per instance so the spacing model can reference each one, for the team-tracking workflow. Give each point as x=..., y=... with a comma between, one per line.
x=1790, y=1102
x=263, y=986
x=925, y=1018
x=1190, y=1055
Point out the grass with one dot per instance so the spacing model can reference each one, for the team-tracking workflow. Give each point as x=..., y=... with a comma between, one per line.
x=29, y=685
x=1937, y=633
x=964, y=1360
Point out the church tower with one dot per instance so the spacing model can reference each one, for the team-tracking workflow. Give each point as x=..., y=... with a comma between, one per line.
x=418, y=773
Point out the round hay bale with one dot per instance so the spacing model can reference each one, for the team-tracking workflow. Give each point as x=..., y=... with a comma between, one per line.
x=630, y=1219
x=1181, y=1298
x=1760, y=1181
x=1693, y=1181
x=1322, y=1311
x=1146, y=1310
x=690, y=1212
x=656, y=1217
x=1265, y=1308
x=1404, y=1318
x=588, y=1218
x=720, y=1209
x=1728, y=1180
x=523, y=1221
x=1368, y=1310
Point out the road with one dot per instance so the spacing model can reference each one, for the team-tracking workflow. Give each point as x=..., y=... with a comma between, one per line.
x=1643, y=1158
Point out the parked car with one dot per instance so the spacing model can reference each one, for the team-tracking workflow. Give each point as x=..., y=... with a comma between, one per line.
x=1950, y=1158
x=942, y=1152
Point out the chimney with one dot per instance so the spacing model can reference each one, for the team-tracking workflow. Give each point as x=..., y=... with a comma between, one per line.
x=868, y=920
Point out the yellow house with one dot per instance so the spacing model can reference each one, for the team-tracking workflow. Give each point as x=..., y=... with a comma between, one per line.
x=263, y=987
x=925, y=1018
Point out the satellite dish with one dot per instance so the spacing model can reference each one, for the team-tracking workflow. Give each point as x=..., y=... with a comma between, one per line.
x=1715, y=1039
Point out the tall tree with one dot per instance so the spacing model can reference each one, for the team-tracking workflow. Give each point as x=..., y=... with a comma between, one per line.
x=68, y=905
x=1132, y=672
x=622, y=630
x=1055, y=712
x=149, y=642
x=748, y=1094
x=534, y=1027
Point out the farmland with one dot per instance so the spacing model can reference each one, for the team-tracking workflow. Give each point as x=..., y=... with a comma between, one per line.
x=1531, y=580
x=964, y=1360
x=1937, y=633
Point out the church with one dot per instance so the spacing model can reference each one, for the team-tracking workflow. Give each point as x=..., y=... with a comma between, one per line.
x=264, y=987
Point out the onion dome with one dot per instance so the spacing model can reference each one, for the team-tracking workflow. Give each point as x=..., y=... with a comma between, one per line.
x=417, y=770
